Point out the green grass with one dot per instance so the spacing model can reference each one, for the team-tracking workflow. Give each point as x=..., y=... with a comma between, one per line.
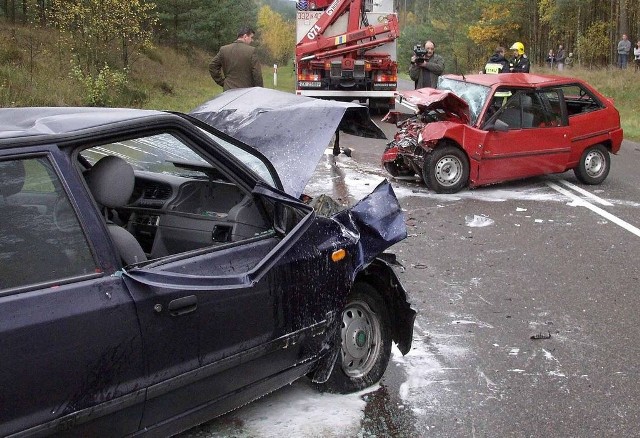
x=193, y=86
x=161, y=78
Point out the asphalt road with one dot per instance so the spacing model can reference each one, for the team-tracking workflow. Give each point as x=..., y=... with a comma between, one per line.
x=492, y=268
x=527, y=297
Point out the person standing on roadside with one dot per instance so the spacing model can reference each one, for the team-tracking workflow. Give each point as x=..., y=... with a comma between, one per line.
x=425, y=72
x=560, y=57
x=624, y=47
x=497, y=63
x=568, y=61
x=636, y=56
x=551, y=59
x=520, y=63
x=236, y=65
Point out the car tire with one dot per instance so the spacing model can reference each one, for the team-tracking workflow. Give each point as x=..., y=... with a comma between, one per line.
x=396, y=169
x=446, y=170
x=594, y=165
x=365, y=342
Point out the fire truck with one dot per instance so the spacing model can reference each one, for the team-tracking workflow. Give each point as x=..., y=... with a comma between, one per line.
x=346, y=50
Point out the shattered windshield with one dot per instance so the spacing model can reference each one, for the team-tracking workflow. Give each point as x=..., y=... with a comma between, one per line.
x=475, y=95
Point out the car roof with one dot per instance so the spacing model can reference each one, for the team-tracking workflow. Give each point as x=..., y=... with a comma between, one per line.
x=53, y=123
x=515, y=79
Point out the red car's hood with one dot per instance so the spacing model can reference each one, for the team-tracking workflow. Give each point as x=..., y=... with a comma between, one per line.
x=426, y=99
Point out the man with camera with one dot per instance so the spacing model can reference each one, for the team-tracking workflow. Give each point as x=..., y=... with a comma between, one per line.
x=426, y=66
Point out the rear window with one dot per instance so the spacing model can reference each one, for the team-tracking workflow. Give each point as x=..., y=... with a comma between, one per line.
x=40, y=236
x=579, y=100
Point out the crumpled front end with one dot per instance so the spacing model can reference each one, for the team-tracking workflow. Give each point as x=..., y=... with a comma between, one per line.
x=435, y=113
x=373, y=225
x=378, y=222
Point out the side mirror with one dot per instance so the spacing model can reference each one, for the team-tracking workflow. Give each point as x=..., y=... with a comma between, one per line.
x=498, y=126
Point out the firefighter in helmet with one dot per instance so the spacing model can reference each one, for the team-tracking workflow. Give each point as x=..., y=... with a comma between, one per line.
x=520, y=62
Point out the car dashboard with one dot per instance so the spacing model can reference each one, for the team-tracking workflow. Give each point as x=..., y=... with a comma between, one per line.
x=169, y=214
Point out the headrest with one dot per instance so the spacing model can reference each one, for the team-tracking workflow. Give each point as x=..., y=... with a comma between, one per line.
x=111, y=181
x=11, y=177
x=527, y=101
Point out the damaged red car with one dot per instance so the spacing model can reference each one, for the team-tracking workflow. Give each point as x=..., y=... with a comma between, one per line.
x=485, y=129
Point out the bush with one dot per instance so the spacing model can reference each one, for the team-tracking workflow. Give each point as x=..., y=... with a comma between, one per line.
x=103, y=88
x=10, y=55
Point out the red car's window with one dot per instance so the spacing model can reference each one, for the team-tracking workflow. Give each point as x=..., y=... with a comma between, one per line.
x=579, y=100
x=526, y=109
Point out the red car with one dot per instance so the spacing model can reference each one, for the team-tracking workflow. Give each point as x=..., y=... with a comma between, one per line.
x=484, y=129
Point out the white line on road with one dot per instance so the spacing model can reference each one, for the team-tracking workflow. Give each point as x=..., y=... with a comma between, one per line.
x=586, y=193
x=605, y=214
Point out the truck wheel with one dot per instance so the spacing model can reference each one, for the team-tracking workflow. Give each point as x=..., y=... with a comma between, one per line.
x=594, y=165
x=446, y=170
x=365, y=337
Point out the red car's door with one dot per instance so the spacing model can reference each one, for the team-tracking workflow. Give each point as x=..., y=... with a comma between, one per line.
x=537, y=141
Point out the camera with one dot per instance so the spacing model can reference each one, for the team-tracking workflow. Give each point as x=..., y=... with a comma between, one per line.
x=420, y=52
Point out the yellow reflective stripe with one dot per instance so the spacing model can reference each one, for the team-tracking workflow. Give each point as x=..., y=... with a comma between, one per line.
x=493, y=69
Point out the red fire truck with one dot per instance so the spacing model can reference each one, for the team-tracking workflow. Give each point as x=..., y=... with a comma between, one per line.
x=346, y=50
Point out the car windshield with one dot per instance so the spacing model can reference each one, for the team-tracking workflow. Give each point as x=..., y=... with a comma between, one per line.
x=475, y=95
x=162, y=153
x=168, y=154
x=250, y=160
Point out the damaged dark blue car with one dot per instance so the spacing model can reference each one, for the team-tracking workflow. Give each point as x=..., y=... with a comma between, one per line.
x=159, y=269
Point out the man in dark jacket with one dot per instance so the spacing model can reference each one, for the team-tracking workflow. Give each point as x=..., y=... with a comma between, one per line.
x=236, y=65
x=425, y=72
x=497, y=63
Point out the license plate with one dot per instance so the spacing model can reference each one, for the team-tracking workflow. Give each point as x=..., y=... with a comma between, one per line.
x=309, y=84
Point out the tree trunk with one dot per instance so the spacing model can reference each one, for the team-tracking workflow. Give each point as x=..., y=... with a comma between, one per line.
x=624, y=22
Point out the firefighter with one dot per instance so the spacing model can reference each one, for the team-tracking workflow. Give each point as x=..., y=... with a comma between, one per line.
x=497, y=63
x=520, y=62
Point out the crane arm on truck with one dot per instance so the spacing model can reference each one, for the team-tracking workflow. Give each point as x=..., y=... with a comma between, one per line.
x=326, y=47
x=315, y=45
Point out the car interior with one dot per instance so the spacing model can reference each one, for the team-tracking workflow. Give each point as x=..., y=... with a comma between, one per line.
x=155, y=211
x=525, y=110
x=579, y=100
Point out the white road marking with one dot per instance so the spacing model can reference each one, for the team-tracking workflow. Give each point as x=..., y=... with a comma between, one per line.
x=605, y=214
x=586, y=193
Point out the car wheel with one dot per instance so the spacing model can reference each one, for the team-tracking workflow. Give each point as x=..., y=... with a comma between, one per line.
x=446, y=170
x=594, y=165
x=396, y=169
x=365, y=336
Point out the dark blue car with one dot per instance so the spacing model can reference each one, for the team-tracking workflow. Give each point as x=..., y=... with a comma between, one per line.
x=156, y=272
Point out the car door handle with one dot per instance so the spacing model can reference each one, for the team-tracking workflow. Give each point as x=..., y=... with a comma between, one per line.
x=182, y=306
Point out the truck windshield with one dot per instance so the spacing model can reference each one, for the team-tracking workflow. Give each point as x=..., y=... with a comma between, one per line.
x=475, y=95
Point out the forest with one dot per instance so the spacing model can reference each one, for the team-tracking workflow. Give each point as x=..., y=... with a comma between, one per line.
x=134, y=52
x=465, y=31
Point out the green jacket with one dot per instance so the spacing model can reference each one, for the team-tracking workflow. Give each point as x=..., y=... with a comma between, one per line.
x=236, y=66
x=427, y=74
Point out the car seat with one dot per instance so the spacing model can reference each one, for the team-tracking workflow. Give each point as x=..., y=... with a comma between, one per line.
x=111, y=181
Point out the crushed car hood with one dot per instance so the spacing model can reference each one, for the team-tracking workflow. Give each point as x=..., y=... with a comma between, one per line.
x=427, y=99
x=291, y=131
x=378, y=219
